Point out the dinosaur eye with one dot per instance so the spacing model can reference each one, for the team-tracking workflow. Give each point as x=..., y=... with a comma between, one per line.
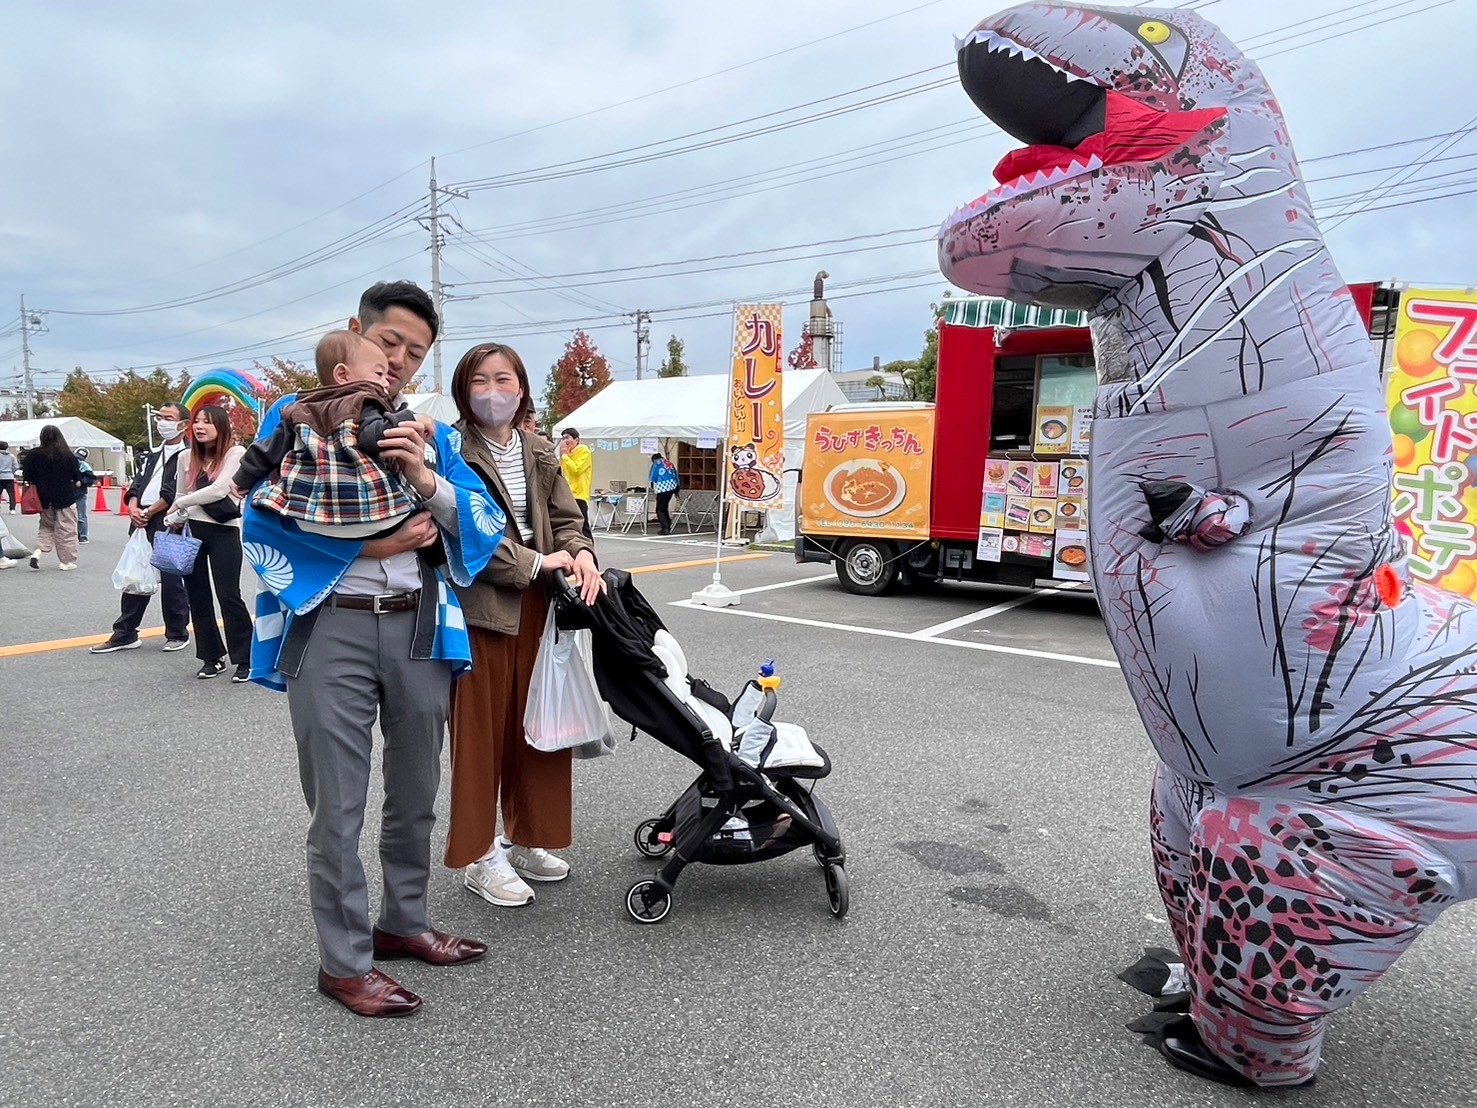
x=1154, y=32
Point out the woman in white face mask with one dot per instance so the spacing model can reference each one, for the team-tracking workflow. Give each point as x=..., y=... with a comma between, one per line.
x=492, y=766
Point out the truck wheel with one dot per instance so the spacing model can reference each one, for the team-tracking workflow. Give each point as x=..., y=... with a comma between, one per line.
x=867, y=567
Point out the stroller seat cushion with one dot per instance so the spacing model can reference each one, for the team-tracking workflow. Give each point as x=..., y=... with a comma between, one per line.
x=666, y=648
x=777, y=746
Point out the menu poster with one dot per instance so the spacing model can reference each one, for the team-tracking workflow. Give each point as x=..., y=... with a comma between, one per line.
x=1070, y=513
x=1072, y=478
x=1053, y=429
x=1044, y=478
x=1018, y=483
x=1011, y=544
x=1043, y=516
x=1036, y=546
x=1018, y=513
x=991, y=539
x=1081, y=429
x=992, y=511
x=996, y=470
x=1070, y=563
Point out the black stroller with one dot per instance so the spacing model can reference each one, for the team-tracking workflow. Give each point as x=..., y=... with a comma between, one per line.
x=750, y=803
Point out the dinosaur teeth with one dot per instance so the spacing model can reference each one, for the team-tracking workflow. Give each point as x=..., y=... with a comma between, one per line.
x=1078, y=167
x=998, y=43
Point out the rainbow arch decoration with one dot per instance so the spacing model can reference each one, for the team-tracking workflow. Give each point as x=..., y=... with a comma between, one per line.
x=239, y=387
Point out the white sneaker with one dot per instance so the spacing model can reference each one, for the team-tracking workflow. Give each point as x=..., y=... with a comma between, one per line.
x=536, y=864
x=67, y=565
x=6, y=563
x=494, y=881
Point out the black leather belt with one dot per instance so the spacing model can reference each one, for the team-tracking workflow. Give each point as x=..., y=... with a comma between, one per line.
x=387, y=602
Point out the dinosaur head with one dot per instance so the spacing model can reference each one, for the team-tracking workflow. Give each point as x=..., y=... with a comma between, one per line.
x=1127, y=115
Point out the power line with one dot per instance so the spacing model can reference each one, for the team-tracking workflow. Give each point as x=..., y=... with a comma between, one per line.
x=579, y=166
x=734, y=254
x=342, y=245
x=695, y=80
x=1354, y=30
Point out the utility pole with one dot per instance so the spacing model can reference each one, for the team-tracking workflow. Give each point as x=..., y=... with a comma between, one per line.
x=643, y=340
x=438, y=290
x=26, y=358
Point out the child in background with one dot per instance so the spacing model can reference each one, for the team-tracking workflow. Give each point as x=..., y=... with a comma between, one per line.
x=325, y=454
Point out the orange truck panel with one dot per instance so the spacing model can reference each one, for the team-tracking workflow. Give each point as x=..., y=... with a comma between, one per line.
x=868, y=473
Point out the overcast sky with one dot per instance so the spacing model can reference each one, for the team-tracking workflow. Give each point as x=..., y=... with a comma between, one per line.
x=158, y=152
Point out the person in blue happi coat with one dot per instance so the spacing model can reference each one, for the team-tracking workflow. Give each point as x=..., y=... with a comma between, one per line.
x=358, y=630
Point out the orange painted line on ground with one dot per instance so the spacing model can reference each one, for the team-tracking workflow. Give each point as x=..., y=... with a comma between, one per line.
x=23, y=649
x=696, y=562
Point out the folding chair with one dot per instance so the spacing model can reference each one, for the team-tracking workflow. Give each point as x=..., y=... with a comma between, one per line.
x=633, y=511
x=696, y=510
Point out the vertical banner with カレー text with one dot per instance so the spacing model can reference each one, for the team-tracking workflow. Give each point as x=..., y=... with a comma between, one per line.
x=1433, y=414
x=756, y=411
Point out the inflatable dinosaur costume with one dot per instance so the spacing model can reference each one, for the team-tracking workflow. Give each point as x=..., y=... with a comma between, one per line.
x=1315, y=806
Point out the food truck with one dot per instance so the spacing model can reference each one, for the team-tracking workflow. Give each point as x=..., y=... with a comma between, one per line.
x=987, y=484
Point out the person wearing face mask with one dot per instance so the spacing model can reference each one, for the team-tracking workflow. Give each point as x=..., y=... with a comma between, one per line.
x=147, y=500
x=363, y=630
x=492, y=767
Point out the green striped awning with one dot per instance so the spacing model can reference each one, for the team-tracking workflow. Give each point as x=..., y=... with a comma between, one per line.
x=995, y=311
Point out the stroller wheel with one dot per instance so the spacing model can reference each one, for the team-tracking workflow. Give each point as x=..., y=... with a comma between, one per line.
x=838, y=890
x=648, y=843
x=646, y=909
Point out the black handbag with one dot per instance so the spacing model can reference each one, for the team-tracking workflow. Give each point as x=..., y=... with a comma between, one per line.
x=223, y=510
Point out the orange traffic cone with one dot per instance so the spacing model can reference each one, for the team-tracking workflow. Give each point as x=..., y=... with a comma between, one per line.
x=101, y=503
x=123, y=503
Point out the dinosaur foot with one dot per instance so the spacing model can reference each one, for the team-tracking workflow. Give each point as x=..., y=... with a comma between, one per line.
x=1157, y=972
x=1170, y=1031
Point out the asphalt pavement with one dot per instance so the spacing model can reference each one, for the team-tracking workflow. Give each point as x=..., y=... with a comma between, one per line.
x=990, y=782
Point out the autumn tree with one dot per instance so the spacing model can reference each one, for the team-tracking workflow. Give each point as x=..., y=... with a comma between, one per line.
x=803, y=356
x=282, y=378
x=117, y=406
x=41, y=408
x=674, y=366
x=579, y=374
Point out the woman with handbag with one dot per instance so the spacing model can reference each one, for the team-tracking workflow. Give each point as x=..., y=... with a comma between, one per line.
x=492, y=766
x=52, y=480
x=205, y=507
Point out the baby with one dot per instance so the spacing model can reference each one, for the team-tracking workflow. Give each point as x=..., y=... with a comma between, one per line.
x=323, y=461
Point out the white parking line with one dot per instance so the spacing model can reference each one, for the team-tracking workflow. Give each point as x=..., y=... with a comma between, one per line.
x=906, y=636
x=787, y=584
x=984, y=613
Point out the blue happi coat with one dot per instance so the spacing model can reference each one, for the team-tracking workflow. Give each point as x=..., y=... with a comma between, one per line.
x=299, y=569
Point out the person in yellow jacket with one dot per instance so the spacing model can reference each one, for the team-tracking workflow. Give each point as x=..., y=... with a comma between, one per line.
x=578, y=465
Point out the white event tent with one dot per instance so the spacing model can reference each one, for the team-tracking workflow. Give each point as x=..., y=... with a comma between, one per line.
x=692, y=408
x=25, y=433
x=104, y=451
x=437, y=405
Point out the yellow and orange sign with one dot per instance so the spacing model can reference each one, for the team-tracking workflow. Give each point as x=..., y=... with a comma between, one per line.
x=756, y=409
x=868, y=473
x=1432, y=394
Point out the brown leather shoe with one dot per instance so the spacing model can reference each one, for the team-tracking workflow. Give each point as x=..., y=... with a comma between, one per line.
x=373, y=994
x=436, y=947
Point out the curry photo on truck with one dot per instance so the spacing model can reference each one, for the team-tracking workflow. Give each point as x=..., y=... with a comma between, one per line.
x=987, y=484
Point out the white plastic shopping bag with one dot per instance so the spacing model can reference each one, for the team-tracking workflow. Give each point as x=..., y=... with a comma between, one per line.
x=564, y=706
x=136, y=572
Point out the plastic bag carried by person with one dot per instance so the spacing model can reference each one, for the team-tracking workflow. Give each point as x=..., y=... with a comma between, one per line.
x=136, y=572
x=564, y=706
